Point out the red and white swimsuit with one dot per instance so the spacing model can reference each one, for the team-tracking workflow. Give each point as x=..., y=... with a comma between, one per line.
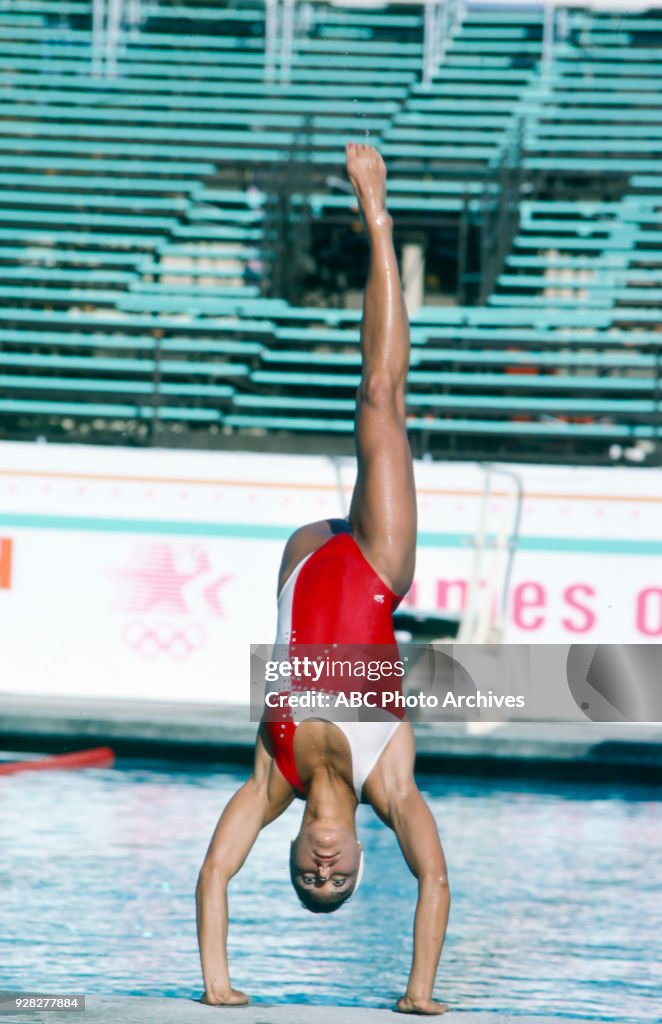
x=334, y=597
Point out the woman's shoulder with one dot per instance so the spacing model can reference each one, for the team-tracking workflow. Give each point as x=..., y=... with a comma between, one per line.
x=305, y=541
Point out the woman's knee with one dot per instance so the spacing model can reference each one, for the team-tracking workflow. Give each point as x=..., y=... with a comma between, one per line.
x=381, y=390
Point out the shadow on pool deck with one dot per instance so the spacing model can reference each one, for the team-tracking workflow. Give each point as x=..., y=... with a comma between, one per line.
x=137, y=1010
x=208, y=733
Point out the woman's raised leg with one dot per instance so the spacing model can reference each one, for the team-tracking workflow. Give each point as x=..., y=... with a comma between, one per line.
x=383, y=509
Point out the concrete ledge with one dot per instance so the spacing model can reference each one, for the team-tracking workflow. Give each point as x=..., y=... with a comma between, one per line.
x=208, y=733
x=180, y=721
x=141, y=1010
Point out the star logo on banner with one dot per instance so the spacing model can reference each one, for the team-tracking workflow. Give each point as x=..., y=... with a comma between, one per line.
x=156, y=580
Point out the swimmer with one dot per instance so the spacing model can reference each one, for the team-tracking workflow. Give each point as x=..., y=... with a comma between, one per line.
x=339, y=582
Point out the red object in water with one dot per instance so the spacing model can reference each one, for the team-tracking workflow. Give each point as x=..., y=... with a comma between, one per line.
x=97, y=757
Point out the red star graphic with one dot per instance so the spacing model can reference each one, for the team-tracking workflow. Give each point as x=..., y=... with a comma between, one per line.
x=155, y=581
x=212, y=597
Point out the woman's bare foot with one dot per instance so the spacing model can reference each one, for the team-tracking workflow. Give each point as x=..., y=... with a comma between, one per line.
x=421, y=1007
x=232, y=997
x=367, y=172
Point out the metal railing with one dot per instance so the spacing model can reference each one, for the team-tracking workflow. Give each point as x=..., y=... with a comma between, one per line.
x=110, y=18
x=287, y=222
x=499, y=209
x=442, y=20
x=286, y=21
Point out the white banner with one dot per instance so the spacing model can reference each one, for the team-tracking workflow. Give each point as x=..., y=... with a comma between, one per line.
x=147, y=574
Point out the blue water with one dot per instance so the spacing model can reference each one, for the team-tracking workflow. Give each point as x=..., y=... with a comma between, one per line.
x=556, y=896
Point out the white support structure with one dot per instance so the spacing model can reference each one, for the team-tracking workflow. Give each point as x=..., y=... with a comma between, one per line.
x=135, y=13
x=429, y=37
x=109, y=18
x=113, y=32
x=98, y=36
x=271, y=37
x=287, y=48
x=279, y=39
x=485, y=612
x=548, y=40
x=441, y=21
x=283, y=21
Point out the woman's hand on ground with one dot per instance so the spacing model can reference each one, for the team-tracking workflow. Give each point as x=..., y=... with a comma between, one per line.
x=424, y=1007
x=230, y=998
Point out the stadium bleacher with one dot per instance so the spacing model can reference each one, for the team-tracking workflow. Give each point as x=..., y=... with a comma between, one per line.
x=143, y=212
x=601, y=102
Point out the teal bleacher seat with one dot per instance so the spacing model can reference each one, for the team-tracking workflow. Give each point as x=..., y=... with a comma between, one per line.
x=553, y=429
x=321, y=424
x=108, y=411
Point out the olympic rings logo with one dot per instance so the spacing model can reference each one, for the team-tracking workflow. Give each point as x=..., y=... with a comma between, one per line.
x=162, y=639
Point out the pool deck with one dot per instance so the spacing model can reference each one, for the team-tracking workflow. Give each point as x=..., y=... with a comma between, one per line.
x=617, y=752
x=143, y=1010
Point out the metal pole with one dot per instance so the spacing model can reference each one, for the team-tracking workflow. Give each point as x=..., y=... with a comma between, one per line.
x=440, y=32
x=657, y=433
x=445, y=27
x=467, y=631
x=134, y=14
x=548, y=39
x=462, y=245
x=270, y=38
x=429, y=20
x=460, y=10
x=98, y=23
x=287, y=40
x=514, y=537
x=441, y=19
x=156, y=382
x=113, y=36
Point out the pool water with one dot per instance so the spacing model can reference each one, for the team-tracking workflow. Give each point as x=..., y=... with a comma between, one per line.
x=556, y=896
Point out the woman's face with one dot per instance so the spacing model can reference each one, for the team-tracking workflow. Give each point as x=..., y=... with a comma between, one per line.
x=325, y=862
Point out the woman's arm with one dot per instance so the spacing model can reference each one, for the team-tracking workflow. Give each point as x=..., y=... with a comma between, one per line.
x=252, y=807
x=395, y=797
x=417, y=834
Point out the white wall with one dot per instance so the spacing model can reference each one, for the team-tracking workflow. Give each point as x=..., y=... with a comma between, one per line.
x=148, y=573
